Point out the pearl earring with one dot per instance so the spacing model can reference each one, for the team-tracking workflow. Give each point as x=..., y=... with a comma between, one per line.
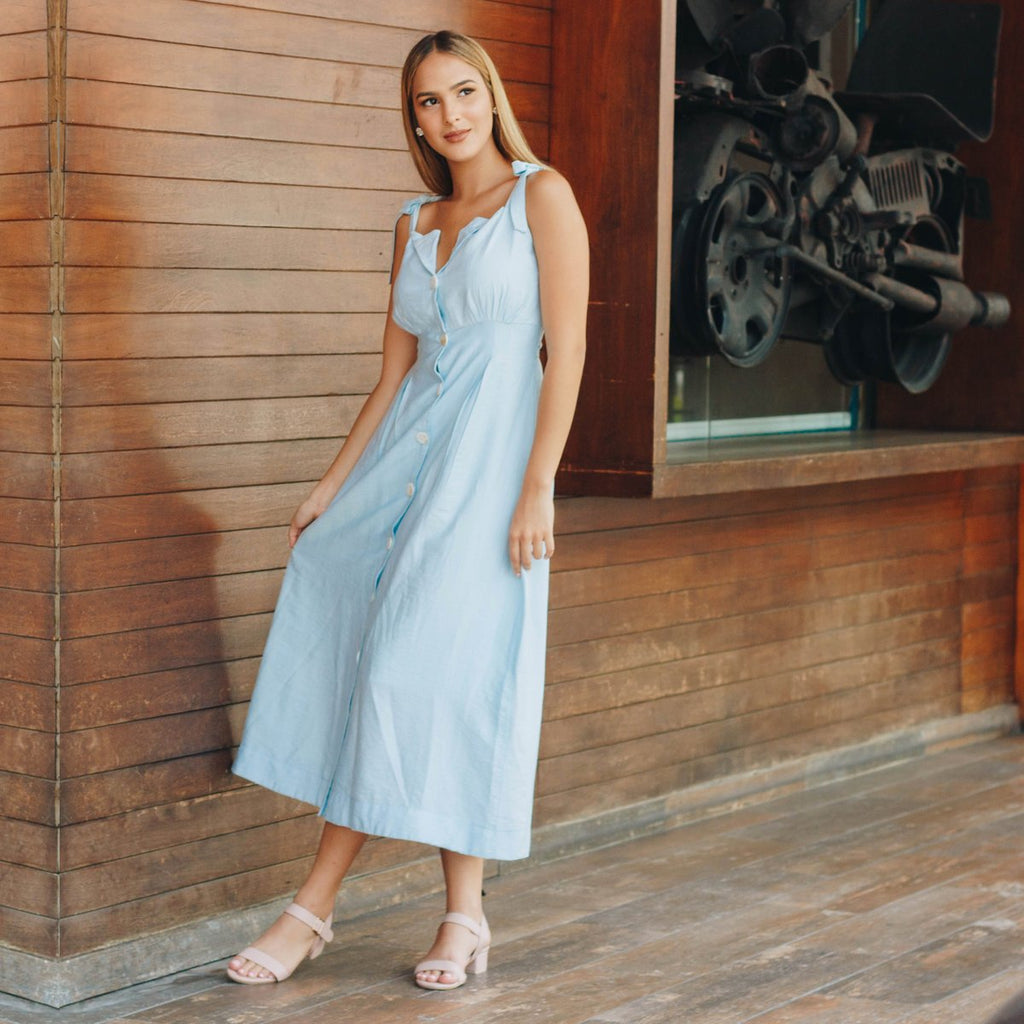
x=419, y=131
x=494, y=110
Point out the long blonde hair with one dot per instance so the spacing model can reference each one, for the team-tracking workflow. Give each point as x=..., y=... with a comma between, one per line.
x=508, y=136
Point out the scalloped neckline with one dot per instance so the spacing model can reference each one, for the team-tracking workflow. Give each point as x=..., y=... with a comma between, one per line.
x=465, y=227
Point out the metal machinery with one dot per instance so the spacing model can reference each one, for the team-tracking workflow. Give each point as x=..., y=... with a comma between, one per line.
x=832, y=218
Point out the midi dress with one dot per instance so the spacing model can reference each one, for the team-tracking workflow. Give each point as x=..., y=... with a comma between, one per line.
x=401, y=684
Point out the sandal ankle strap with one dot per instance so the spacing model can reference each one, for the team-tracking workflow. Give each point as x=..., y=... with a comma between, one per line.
x=322, y=928
x=476, y=927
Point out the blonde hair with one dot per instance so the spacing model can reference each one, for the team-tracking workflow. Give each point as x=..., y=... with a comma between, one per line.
x=508, y=136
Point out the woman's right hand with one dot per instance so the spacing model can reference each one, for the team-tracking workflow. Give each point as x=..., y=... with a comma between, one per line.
x=304, y=515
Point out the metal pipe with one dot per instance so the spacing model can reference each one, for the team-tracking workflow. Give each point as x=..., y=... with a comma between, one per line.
x=945, y=264
x=994, y=312
x=780, y=73
x=821, y=267
x=903, y=294
x=948, y=306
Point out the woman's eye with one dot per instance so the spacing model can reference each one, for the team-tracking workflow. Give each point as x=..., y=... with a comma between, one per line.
x=466, y=90
x=429, y=101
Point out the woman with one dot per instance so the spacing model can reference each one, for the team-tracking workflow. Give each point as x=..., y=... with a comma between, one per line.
x=401, y=686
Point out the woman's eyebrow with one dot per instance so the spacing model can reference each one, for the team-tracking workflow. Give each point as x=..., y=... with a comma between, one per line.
x=457, y=85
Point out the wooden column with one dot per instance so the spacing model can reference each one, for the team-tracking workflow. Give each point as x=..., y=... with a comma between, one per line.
x=28, y=787
x=608, y=137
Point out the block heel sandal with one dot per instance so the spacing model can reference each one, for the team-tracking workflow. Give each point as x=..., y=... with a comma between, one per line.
x=323, y=932
x=476, y=964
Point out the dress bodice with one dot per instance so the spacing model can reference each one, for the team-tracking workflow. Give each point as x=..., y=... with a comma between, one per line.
x=491, y=274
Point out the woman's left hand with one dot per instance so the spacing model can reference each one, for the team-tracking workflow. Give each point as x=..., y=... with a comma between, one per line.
x=532, y=533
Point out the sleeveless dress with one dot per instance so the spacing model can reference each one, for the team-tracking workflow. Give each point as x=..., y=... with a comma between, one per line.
x=401, y=684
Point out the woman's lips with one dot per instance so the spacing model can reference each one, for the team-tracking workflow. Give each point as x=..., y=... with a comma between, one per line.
x=456, y=136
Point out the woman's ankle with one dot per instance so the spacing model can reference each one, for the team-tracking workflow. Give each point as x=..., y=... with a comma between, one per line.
x=316, y=900
x=470, y=908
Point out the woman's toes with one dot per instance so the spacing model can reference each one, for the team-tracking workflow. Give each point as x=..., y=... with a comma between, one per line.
x=248, y=969
x=436, y=977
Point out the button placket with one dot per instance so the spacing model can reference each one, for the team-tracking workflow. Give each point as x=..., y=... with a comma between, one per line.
x=442, y=339
x=422, y=436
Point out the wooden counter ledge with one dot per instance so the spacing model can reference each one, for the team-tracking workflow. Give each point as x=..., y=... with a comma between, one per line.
x=799, y=460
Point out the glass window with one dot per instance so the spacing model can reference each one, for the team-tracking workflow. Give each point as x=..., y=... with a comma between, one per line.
x=792, y=389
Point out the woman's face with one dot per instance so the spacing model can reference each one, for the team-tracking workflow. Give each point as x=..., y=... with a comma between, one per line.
x=452, y=106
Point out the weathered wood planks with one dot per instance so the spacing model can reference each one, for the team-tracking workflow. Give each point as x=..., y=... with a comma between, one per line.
x=233, y=173
x=28, y=849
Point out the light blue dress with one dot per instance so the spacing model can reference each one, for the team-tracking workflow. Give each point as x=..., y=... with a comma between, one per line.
x=402, y=681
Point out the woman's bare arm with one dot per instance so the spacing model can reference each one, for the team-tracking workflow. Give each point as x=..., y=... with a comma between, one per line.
x=399, y=355
x=563, y=258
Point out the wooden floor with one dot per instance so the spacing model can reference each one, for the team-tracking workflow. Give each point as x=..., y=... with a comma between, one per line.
x=891, y=896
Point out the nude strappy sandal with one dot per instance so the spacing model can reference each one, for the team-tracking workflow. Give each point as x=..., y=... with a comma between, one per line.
x=476, y=964
x=276, y=968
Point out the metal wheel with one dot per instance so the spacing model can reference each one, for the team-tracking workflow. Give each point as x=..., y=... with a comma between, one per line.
x=866, y=346
x=732, y=292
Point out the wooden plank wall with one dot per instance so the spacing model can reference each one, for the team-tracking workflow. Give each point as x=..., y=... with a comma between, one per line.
x=696, y=638
x=28, y=839
x=989, y=605
x=233, y=175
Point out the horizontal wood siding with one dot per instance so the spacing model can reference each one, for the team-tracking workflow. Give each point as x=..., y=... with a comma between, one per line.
x=695, y=638
x=28, y=724
x=991, y=560
x=233, y=175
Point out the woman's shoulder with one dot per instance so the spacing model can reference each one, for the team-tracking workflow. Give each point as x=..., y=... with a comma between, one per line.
x=549, y=197
x=546, y=178
x=548, y=188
